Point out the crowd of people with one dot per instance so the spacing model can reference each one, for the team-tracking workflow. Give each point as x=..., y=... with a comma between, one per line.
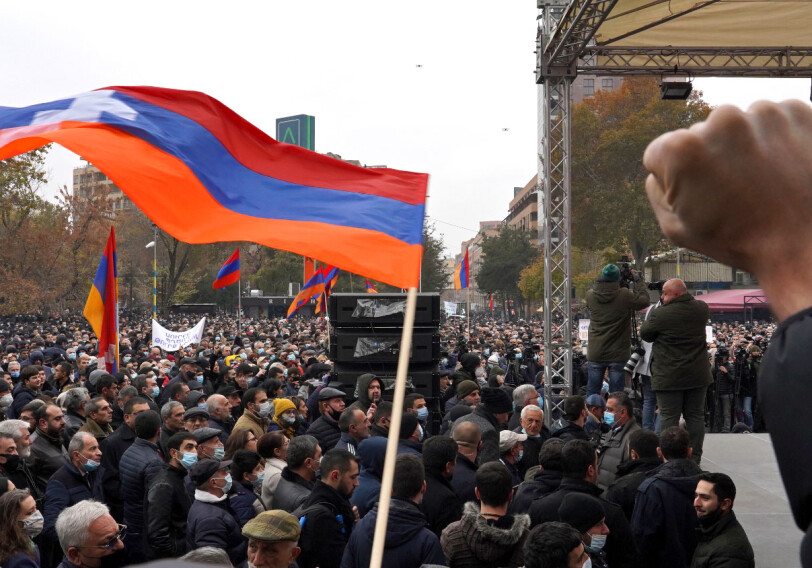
x=242, y=450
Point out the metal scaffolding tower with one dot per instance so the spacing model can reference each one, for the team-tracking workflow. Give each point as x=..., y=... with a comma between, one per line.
x=565, y=47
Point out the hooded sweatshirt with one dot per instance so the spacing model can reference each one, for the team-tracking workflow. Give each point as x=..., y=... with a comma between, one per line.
x=371, y=454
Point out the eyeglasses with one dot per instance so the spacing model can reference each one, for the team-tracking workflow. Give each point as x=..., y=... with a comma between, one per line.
x=111, y=544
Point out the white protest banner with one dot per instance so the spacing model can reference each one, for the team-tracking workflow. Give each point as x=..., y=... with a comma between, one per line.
x=583, y=329
x=709, y=334
x=450, y=308
x=174, y=340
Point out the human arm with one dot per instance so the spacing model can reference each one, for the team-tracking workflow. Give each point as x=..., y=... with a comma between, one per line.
x=706, y=181
x=159, y=513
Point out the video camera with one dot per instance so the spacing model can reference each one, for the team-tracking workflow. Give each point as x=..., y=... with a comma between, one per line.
x=656, y=285
x=626, y=275
x=722, y=353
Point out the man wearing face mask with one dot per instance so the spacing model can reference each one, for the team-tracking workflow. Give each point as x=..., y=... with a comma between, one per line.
x=416, y=404
x=511, y=449
x=257, y=409
x=76, y=481
x=89, y=537
x=211, y=520
x=619, y=416
x=325, y=428
x=187, y=374
x=15, y=468
x=168, y=502
x=585, y=514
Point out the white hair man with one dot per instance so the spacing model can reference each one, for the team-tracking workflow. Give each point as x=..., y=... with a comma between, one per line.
x=87, y=533
x=531, y=423
x=523, y=395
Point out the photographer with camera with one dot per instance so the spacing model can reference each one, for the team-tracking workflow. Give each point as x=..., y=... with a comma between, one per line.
x=680, y=368
x=611, y=307
x=725, y=381
x=747, y=387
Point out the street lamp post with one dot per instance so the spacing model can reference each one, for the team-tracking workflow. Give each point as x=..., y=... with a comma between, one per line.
x=154, y=246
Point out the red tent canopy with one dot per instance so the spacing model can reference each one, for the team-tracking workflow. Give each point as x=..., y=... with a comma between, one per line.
x=734, y=300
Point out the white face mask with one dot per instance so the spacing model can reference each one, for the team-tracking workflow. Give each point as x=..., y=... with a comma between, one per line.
x=598, y=542
x=588, y=563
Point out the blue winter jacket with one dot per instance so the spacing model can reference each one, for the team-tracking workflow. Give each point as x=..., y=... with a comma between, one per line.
x=216, y=524
x=408, y=542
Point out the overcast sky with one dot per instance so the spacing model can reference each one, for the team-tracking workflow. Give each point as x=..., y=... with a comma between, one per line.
x=427, y=86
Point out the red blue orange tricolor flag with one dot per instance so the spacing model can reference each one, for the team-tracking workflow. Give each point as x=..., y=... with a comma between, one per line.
x=101, y=308
x=229, y=273
x=461, y=273
x=330, y=279
x=312, y=287
x=170, y=150
x=370, y=288
x=490, y=301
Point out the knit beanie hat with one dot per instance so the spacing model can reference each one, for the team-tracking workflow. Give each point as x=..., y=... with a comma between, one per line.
x=408, y=424
x=610, y=273
x=280, y=405
x=496, y=401
x=580, y=510
x=470, y=361
x=465, y=388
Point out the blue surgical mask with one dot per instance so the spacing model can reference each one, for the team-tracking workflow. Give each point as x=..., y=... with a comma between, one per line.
x=219, y=453
x=261, y=350
x=188, y=460
x=156, y=391
x=307, y=346
x=217, y=338
x=91, y=465
x=445, y=361
x=202, y=405
x=291, y=357
x=609, y=417
x=518, y=355
x=520, y=456
x=243, y=355
x=265, y=365
x=487, y=352
x=296, y=353
x=422, y=413
x=127, y=358
x=530, y=435
x=71, y=356
x=258, y=481
x=15, y=374
x=605, y=388
x=273, y=357
x=199, y=379
x=133, y=375
x=598, y=542
x=229, y=481
x=536, y=357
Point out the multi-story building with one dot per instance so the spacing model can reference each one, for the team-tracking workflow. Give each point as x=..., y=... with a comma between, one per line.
x=523, y=210
x=585, y=86
x=89, y=180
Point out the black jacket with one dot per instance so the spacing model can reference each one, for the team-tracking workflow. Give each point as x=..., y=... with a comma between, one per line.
x=723, y=543
x=117, y=444
x=137, y=467
x=327, y=527
x=543, y=483
x=291, y=492
x=326, y=431
x=567, y=431
x=621, y=551
x=23, y=478
x=490, y=432
x=783, y=390
x=73, y=422
x=440, y=504
x=629, y=477
x=664, y=519
x=464, y=480
x=166, y=508
x=47, y=456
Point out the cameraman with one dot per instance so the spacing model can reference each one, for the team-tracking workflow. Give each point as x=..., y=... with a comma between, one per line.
x=610, y=330
x=747, y=387
x=680, y=370
x=725, y=389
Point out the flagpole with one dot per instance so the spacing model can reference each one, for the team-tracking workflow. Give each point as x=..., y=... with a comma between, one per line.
x=376, y=558
x=155, y=271
x=239, y=306
x=468, y=312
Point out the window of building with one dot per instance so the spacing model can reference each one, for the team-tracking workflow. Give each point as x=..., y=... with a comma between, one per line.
x=607, y=83
x=589, y=87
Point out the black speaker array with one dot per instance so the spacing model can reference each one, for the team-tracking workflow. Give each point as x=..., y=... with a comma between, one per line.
x=365, y=336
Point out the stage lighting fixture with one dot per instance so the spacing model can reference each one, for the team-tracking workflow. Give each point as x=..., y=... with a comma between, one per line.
x=675, y=88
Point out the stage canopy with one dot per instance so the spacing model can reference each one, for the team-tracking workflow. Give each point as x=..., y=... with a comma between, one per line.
x=734, y=300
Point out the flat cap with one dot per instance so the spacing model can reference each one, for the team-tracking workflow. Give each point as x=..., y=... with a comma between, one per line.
x=329, y=392
x=273, y=526
x=195, y=411
x=203, y=434
x=202, y=471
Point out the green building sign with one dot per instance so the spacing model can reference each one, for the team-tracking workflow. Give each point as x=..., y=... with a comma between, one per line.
x=299, y=130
